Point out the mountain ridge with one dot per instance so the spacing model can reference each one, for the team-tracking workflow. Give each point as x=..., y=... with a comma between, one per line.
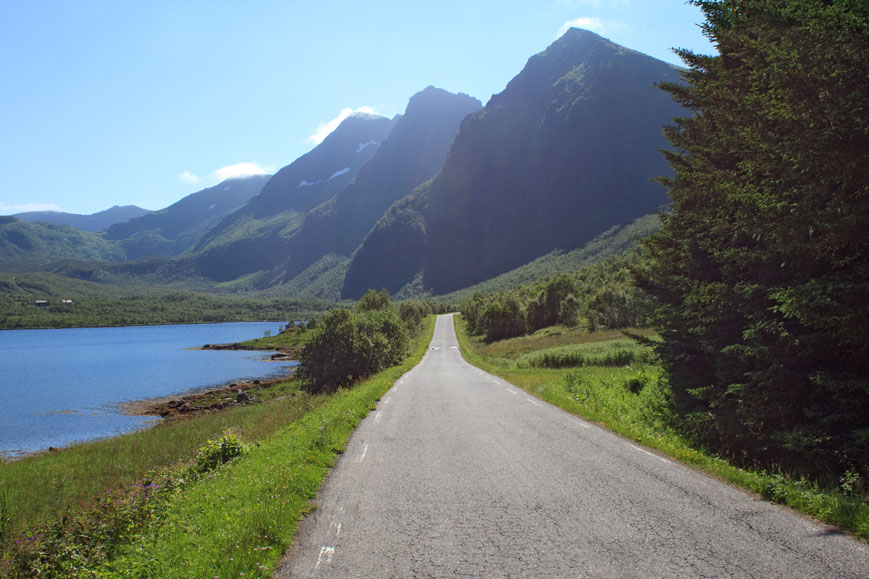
x=566, y=151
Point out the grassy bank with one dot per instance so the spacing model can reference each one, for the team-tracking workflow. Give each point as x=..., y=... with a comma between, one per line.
x=235, y=520
x=45, y=487
x=622, y=389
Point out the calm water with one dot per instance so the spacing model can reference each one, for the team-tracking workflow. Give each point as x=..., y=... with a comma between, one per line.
x=62, y=386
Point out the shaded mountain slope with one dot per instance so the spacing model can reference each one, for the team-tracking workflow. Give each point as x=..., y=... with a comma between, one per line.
x=255, y=237
x=566, y=151
x=93, y=223
x=414, y=151
x=172, y=230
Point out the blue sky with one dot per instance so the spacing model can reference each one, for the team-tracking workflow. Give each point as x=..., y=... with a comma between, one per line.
x=115, y=103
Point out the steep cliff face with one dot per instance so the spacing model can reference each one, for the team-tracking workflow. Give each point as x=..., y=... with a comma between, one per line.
x=255, y=237
x=414, y=151
x=567, y=150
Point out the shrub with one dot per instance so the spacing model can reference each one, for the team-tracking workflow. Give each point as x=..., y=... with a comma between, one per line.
x=347, y=346
x=217, y=452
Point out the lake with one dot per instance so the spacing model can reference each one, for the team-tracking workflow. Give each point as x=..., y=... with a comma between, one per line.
x=64, y=386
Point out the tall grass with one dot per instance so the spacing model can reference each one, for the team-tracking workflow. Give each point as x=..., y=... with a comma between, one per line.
x=46, y=487
x=610, y=353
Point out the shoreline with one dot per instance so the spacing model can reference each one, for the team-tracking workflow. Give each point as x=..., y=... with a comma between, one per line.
x=212, y=398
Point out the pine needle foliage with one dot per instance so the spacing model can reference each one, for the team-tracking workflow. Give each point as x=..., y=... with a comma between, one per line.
x=761, y=270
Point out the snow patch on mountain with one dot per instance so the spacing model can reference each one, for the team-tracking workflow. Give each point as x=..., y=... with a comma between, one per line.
x=363, y=145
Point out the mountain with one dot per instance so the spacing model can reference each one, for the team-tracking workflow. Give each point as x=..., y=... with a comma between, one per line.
x=414, y=151
x=172, y=230
x=93, y=223
x=26, y=246
x=253, y=238
x=568, y=150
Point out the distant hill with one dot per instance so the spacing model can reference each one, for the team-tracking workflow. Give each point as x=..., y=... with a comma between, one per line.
x=25, y=246
x=93, y=223
x=172, y=230
x=254, y=237
x=568, y=150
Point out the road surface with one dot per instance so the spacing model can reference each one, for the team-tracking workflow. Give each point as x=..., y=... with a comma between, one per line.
x=459, y=474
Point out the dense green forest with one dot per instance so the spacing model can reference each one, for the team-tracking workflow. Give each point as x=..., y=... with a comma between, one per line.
x=602, y=295
x=761, y=272
x=92, y=304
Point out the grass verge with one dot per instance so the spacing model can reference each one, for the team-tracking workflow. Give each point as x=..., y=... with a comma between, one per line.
x=241, y=519
x=184, y=521
x=45, y=487
x=632, y=401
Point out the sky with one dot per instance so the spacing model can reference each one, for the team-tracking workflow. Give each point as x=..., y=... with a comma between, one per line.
x=108, y=103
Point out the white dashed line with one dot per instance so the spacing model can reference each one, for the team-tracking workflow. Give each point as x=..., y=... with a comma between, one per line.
x=533, y=402
x=326, y=554
x=513, y=392
x=378, y=416
x=364, y=452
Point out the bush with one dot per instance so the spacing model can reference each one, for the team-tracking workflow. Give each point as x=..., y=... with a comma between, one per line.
x=217, y=452
x=347, y=346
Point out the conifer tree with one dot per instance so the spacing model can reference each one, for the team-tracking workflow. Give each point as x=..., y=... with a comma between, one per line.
x=761, y=270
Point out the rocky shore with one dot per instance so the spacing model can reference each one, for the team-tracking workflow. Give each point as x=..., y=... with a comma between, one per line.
x=212, y=399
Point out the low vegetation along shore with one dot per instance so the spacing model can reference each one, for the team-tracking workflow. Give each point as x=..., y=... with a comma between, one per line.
x=612, y=377
x=286, y=346
x=215, y=493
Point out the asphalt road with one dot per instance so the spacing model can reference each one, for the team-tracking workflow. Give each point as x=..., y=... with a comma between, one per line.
x=459, y=474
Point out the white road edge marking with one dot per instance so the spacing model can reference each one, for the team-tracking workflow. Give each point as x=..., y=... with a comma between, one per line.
x=649, y=453
x=533, y=402
x=327, y=553
x=378, y=415
x=364, y=452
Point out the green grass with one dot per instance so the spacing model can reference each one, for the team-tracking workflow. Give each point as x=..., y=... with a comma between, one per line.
x=290, y=339
x=237, y=519
x=241, y=519
x=610, y=353
x=633, y=401
x=45, y=487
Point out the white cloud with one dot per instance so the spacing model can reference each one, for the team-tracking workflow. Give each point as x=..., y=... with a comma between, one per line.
x=189, y=177
x=242, y=170
x=592, y=23
x=27, y=207
x=326, y=128
x=245, y=169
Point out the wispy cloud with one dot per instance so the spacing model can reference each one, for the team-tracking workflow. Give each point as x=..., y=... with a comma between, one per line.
x=592, y=23
x=235, y=171
x=189, y=177
x=26, y=207
x=326, y=128
x=242, y=170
